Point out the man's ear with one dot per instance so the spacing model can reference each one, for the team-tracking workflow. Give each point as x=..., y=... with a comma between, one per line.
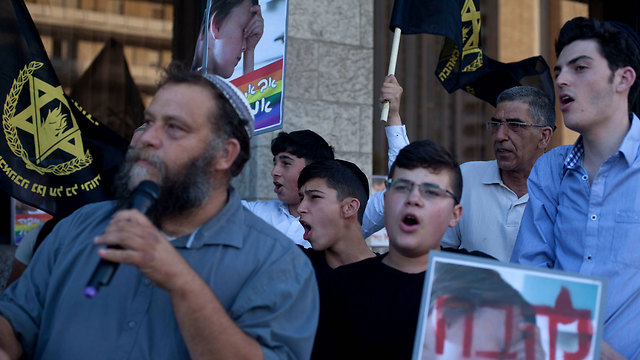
x=227, y=154
x=545, y=137
x=456, y=214
x=350, y=207
x=626, y=77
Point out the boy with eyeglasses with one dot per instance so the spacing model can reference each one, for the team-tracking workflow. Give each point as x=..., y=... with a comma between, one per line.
x=369, y=309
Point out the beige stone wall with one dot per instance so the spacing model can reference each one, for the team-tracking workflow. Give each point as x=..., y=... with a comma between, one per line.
x=328, y=86
x=519, y=22
x=563, y=11
x=519, y=37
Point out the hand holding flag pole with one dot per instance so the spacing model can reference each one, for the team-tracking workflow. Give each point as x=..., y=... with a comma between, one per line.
x=392, y=68
x=462, y=63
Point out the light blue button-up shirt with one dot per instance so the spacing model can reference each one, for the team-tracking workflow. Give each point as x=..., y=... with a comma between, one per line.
x=595, y=230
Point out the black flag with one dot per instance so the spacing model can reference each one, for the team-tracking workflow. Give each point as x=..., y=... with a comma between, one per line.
x=107, y=90
x=427, y=17
x=462, y=63
x=53, y=154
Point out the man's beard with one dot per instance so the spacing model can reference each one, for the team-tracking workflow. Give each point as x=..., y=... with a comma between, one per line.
x=184, y=190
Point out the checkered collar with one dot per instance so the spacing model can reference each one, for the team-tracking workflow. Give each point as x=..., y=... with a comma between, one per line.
x=629, y=148
x=574, y=158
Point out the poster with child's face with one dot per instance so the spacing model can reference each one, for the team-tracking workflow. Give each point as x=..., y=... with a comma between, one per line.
x=480, y=309
x=244, y=41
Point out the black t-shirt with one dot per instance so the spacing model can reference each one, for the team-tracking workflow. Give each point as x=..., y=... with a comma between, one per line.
x=319, y=262
x=368, y=310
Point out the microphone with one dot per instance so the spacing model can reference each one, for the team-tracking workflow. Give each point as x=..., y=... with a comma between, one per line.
x=143, y=198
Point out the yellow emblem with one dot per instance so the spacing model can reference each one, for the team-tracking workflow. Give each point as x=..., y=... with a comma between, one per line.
x=57, y=131
x=471, y=35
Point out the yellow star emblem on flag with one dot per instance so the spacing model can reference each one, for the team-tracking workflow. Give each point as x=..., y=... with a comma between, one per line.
x=57, y=130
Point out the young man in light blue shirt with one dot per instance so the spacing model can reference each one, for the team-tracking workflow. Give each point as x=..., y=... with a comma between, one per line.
x=583, y=213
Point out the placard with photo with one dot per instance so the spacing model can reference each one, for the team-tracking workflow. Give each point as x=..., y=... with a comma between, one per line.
x=475, y=308
x=246, y=42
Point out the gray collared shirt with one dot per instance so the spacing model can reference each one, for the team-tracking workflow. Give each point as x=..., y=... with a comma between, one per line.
x=262, y=279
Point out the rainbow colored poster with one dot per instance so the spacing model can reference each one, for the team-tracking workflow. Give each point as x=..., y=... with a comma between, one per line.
x=246, y=44
x=263, y=89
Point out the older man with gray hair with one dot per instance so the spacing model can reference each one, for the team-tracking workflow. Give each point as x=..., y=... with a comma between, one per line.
x=495, y=192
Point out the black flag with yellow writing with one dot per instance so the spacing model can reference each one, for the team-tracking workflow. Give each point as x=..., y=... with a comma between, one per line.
x=462, y=63
x=53, y=154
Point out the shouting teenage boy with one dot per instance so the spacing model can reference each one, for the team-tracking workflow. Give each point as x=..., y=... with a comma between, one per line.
x=369, y=309
x=333, y=196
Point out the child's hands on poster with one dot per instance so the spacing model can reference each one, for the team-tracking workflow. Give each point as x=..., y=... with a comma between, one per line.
x=254, y=30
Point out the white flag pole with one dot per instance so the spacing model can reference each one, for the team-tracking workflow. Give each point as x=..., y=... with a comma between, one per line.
x=392, y=69
x=205, y=46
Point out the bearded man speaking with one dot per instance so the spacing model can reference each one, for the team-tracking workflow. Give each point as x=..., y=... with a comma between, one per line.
x=202, y=277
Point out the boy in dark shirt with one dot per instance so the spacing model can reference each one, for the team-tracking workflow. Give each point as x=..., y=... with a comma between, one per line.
x=333, y=196
x=369, y=309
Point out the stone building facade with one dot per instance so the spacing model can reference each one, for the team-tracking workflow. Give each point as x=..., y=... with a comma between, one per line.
x=328, y=86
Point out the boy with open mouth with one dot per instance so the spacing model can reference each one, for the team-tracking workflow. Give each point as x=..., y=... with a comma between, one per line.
x=370, y=309
x=333, y=196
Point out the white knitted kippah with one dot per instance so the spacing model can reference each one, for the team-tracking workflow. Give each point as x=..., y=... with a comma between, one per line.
x=236, y=99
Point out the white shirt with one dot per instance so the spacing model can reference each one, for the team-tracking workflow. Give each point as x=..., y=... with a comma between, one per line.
x=491, y=212
x=276, y=213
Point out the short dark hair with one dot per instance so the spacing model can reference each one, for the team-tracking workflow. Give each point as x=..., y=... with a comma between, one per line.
x=225, y=121
x=304, y=144
x=470, y=288
x=222, y=8
x=541, y=107
x=342, y=176
x=429, y=155
x=617, y=42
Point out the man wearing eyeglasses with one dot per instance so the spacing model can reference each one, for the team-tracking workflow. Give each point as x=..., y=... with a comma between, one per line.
x=496, y=191
x=369, y=309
